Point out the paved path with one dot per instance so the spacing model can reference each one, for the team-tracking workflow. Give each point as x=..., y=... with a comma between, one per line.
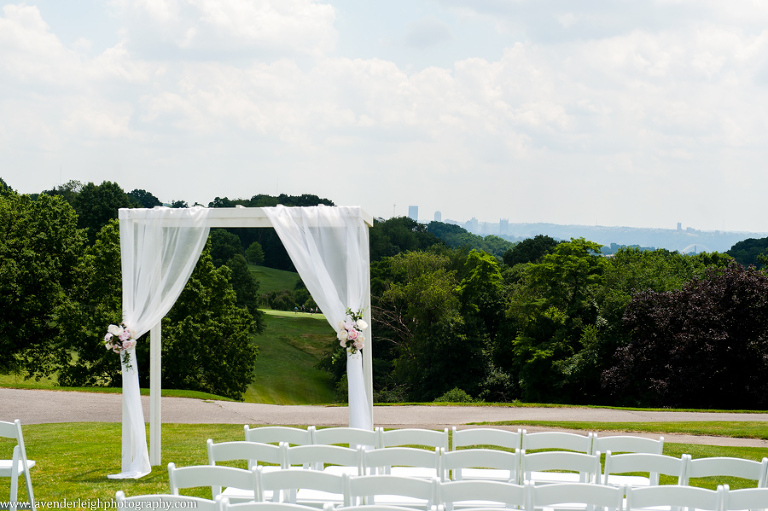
x=41, y=406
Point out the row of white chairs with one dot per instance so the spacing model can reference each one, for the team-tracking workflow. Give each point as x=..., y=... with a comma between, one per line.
x=520, y=439
x=342, y=492
x=512, y=466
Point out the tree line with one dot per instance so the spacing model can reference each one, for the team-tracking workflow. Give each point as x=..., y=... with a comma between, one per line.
x=455, y=316
x=558, y=322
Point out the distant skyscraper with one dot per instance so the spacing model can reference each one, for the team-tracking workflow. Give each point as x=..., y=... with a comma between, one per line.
x=438, y=216
x=413, y=213
x=504, y=226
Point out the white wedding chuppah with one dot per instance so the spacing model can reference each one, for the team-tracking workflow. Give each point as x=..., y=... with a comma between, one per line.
x=160, y=248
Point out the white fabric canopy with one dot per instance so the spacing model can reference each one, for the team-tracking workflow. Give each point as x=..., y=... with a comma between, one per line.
x=159, y=249
x=329, y=248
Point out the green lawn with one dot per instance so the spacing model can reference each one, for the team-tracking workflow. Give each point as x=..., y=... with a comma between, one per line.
x=271, y=279
x=734, y=429
x=74, y=459
x=289, y=349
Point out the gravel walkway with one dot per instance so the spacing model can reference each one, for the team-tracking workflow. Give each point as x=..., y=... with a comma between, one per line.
x=43, y=406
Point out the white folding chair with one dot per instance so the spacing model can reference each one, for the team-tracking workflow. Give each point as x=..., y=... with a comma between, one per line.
x=477, y=493
x=653, y=464
x=225, y=505
x=392, y=490
x=627, y=444
x=346, y=436
x=378, y=507
x=488, y=464
x=18, y=465
x=574, y=496
x=486, y=437
x=413, y=436
x=671, y=497
x=724, y=466
x=559, y=467
x=299, y=486
x=214, y=477
x=559, y=440
x=752, y=499
x=160, y=501
x=331, y=458
x=254, y=452
x=277, y=434
x=402, y=461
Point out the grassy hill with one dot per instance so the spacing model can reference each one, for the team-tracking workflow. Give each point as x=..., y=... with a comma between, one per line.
x=289, y=349
x=271, y=279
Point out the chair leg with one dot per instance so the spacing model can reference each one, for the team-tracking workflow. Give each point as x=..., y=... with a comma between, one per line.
x=30, y=495
x=14, y=490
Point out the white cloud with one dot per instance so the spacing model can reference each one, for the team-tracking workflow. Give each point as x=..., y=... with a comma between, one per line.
x=232, y=86
x=299, y=27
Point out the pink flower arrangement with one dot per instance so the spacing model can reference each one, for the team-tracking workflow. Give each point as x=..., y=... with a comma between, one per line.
x=350, y=333
x=119, y=339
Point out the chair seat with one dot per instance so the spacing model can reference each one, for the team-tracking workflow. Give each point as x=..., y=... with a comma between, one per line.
x=6, y=467
x=241, y=495
x=318, y=498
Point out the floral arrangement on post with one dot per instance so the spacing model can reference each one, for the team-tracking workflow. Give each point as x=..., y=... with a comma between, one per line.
x=350, y=334
x=120, y=339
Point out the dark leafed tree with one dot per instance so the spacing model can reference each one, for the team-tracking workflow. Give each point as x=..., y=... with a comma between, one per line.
x=704, y=346
x=144, y=199
x=224, y=246
x=530, y=250
x=68, y=191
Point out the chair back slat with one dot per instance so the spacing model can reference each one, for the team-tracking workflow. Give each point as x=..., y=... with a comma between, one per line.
x=485, y=437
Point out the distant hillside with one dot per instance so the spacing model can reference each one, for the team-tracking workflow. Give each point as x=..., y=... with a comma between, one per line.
x=684, y=240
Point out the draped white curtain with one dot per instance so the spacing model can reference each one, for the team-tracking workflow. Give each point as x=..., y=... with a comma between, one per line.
x=159, y=249
x=329, y=248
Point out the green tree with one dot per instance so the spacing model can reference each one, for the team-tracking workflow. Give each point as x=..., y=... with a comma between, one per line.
x=530, y=250
x=68, y=191
x=97, y=205
x=96, y=302
x=246, y=289
x=554, y=313
x=206, y=339
x=254, y=253
x=418, y=314
x=224, y=246
x=144, y=199
x=399, y=234
x=747, y=252
x=4, y=188
x=39, y=248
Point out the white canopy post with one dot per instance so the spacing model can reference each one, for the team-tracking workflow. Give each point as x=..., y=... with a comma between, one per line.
x=155, y=394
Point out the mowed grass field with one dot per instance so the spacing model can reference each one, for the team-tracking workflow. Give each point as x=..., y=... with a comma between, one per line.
x=289, y=349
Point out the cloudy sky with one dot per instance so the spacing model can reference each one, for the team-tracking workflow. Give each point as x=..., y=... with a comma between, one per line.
x=609, y=112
